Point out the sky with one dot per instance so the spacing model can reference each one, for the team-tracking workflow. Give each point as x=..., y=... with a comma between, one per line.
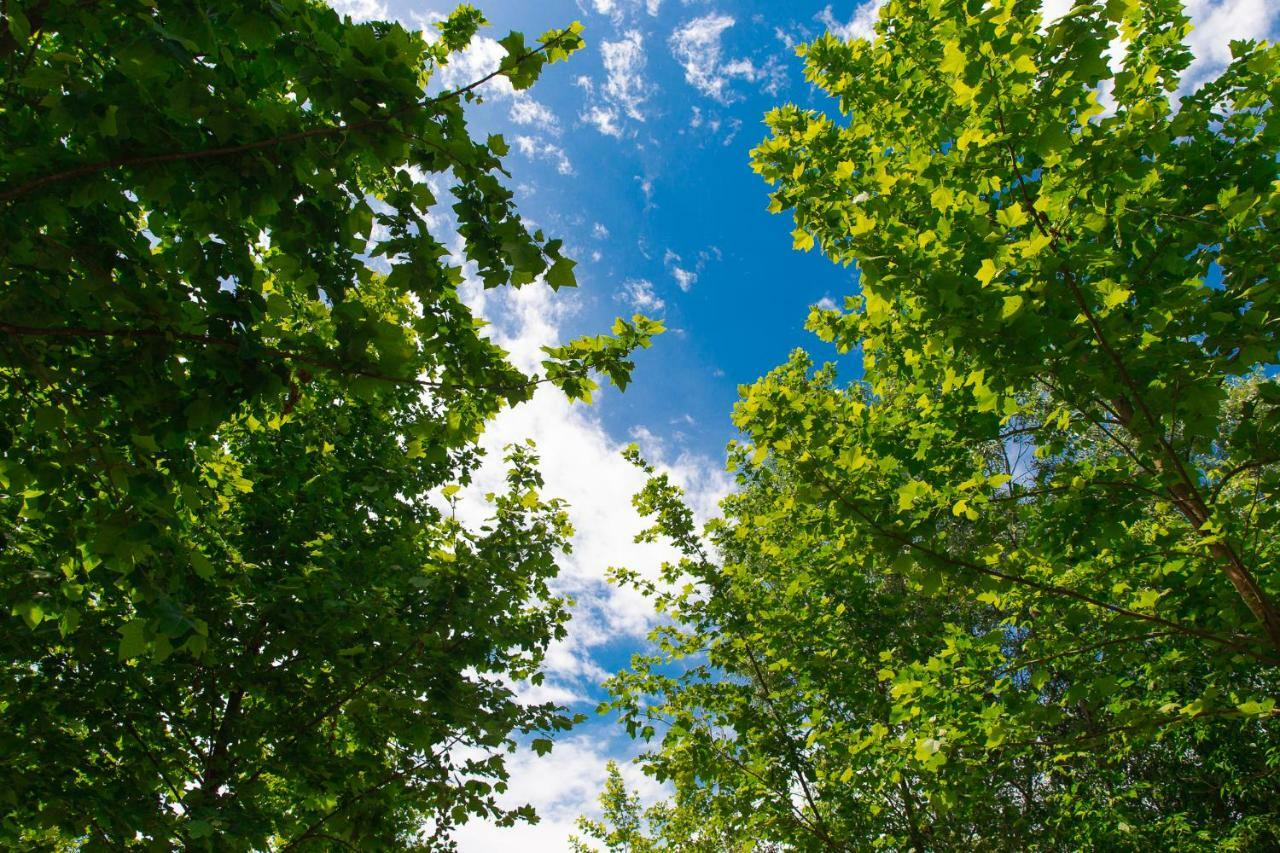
x=636, y=153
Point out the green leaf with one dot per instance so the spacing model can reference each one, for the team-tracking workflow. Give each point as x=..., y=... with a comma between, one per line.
x=31, y=613
x=201, y=565
x=133, y=639
x=561, y=274
x=19, y=26
x=1255, y=707
x=953, y=60
x=986, y=272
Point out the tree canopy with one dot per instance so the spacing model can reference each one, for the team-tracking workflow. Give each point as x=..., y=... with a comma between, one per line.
x=1015, y=587
x=240, y=390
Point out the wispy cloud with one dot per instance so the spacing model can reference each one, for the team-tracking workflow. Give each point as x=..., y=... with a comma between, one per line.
x=537, y=148
x=620, y=10
x=625, y=89
x=698, y=47
x=861, y=26
x=640, y=295
x=686, y=275
x=527, y=112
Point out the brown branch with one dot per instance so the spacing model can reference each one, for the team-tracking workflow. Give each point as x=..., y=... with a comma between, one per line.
x=1094, y=647
x=273, y=142
x=1050, y=589
x=228, y=343
x=1239, y=469
x=133, y=732
x=1185, y=494
x=820, y=827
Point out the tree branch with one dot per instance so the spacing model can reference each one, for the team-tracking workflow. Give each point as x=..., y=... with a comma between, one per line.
x=276, y=141
x=231, y=344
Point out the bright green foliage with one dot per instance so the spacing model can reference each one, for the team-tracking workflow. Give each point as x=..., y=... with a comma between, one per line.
x=232, y=615
x=1015, y=588
x=628, y=827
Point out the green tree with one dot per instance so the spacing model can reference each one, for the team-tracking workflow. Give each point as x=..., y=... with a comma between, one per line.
x=236, y=616
x=1014, y=588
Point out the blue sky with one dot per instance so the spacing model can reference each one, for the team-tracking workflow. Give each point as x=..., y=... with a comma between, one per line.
x=662, y=164
x=636, y=153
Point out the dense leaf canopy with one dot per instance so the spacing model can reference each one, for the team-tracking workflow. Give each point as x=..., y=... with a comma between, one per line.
x=239, y=613
x=1015, y=588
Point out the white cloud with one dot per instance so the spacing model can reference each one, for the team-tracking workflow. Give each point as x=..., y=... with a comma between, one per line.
x=620, y=10
x=826, y=303
x=604, y=120
x=481, y=58
x=697, y=47
x=639, y=294
x=685, y=276
x=646, y=187
x=361, y=10
x=561, y=786
x=861, y=26
x=528, y=112
x=599, y=231
x=624, y=62
x=582, y=464
x=1216, y=23
x=625, y=89
x=1052, y=10
x=537, y=148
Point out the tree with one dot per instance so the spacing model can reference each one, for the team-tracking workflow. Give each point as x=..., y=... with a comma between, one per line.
x=240, y=388
x=1015, y=587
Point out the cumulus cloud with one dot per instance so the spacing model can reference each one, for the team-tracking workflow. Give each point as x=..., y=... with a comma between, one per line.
x=582, y=464
x=604, y=120
x=481, y=58
x=698, y=47
x=646, y=187
x=623, y=64
x=625, y=89
x=1216, y=23
x=560, y=786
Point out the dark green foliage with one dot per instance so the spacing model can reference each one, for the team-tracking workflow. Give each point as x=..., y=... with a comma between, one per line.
x=233, y=617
